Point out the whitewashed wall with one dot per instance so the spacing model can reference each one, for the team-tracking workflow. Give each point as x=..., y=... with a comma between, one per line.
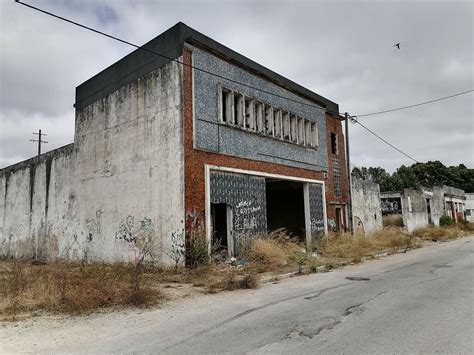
x=122, y=179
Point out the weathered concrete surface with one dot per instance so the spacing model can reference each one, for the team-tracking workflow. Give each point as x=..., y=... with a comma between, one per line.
x=366, y=206
x=414, y=210
x=121, y=181
x=419, y=302
x=470, y=207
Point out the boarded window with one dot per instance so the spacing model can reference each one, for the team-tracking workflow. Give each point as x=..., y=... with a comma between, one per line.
x=277, y=121
x=300, y=131
x=249, y=114
x=226, y=105
x=259, y=117
x=293, y=128
x=286, y=126
x=239, y=109
x=314, y=135
x=269, y=120
x=307, y=133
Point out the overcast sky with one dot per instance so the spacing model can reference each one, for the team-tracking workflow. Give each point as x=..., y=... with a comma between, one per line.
x=342, y=50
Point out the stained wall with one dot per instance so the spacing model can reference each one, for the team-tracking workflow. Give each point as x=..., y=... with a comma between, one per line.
x=120, y=184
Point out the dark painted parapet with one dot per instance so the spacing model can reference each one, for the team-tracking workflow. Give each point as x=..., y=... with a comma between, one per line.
x=170, y=44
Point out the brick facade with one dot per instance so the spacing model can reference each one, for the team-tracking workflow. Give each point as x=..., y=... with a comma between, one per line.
x=195, y=160
x=334, y=125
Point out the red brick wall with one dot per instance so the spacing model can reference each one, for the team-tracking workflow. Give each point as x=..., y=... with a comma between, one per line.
x=195, y=160
x=334, y=125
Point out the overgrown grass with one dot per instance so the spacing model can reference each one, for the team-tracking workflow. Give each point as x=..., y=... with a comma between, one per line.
x=75, y=288
x=71, y=287
x=393, y=220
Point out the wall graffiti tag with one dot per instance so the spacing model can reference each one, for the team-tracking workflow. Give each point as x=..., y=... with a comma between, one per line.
x=139, y=235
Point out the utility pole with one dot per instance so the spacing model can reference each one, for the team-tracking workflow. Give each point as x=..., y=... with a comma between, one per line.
x=39, y=134
x=349, y=179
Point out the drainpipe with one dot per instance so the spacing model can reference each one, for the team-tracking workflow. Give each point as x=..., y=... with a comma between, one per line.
x=349, y=180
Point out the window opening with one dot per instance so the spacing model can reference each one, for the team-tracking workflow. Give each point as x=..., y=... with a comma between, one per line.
x=334, y=146
x=277, y=120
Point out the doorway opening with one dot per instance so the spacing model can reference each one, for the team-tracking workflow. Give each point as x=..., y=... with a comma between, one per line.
x=221, y=219
x=285, y=207
x=428, y=209
x=339, y=220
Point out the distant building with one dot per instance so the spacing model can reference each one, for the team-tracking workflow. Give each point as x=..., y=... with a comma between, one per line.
x=469, y=213
x=426, y=206
x=366, y=206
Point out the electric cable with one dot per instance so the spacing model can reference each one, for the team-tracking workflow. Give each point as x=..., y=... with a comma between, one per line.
x=385, y=141
x=415, y=105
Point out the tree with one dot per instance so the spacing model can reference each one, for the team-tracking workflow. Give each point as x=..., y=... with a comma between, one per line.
x=429, y=174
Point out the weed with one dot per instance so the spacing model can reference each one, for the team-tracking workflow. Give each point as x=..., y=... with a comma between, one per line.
x=445, y=221
x=177, y=248
x=392, y=220
x=267, y=253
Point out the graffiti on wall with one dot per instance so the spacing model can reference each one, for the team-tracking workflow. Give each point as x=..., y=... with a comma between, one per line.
x=94, y=226
x=138, y=235
x=194, y=219
x=246, y=195
x=391, y=205
x=244, y=215
x=316, y=211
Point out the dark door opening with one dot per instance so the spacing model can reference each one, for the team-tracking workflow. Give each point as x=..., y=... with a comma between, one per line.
x=428, y=209
x=285, y=207
x=219, y=224
x=339, y=220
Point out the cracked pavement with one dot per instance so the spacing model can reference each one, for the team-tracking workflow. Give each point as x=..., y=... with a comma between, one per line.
x=419, y=302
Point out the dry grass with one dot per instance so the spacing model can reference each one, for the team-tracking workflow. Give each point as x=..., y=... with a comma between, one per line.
x=466, y=226
x=339, y=248
x=267, y=253
x=437, y=234
x=392, y=220
x=74, y=288
x=70, y=287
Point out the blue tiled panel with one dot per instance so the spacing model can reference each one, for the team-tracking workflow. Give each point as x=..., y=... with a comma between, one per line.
x=246, y=195
x=212, y=136
x=316, y=209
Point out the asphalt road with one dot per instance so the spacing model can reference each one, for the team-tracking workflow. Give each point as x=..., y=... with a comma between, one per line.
x=419, y=302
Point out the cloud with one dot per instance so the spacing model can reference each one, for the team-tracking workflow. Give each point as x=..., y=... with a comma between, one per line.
x=342, y=50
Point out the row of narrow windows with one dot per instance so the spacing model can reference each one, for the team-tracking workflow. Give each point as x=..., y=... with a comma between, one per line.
x=254, y=115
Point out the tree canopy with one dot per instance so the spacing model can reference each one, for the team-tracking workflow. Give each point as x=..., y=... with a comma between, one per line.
x=432, y=173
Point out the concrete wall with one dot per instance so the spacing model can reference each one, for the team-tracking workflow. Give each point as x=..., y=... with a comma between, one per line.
x=437, y=205
x=366, y=206
x=470, y=207
x=414, y=210
x=120, y=184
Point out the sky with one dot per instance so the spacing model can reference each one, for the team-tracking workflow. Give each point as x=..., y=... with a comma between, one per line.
x=342, y=50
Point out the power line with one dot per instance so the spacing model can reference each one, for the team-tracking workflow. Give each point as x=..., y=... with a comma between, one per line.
x=238, y=82
x=415, y=105
x=221, y=76
x=385, y=141
x=169, y=58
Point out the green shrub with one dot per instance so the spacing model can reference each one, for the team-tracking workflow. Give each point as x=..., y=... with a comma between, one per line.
x=197, y=251
x=445, y=221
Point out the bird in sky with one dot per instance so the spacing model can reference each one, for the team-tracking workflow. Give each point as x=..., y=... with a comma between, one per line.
x=397, y=45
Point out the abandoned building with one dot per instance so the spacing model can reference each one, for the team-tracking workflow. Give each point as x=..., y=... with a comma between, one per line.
x=366, y=206
x=469, y=212
x=420, y=208
x=162, y=148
